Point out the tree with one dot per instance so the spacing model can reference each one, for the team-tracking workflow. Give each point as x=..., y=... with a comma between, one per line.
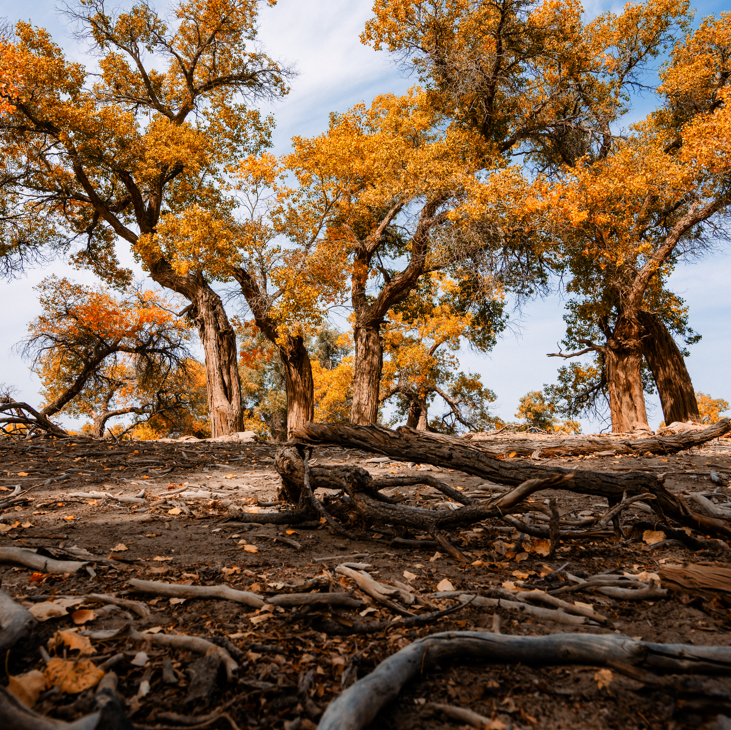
x=149, y=137
x=286, y=285
x=373, y=191
x=91, y=349
x=421, y=339
x=539, y=413
x=660, y=195
x=710, y=409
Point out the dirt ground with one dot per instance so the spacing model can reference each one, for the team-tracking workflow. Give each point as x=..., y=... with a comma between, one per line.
x=289, y=669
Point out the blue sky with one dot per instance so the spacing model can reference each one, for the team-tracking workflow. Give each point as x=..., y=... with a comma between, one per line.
x=335, y=71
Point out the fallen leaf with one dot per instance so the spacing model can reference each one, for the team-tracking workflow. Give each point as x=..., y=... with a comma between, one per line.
x=652, y=536
x=445, y=585
x=74, y=641
x=119, y=548
x=47, y=610
x=603, y=678
x=5, y=528
x=153, y=630
x=37, y=577
x=82, y=616
x=509, y=585
x=260, y=618
x=22, y=473
x=435, y=557
x=542, y=547
x=26, y=525
x=251, y=548
x=160, y=559
x=520, y=557
x=70, y=518
x=174, y=511
x=27, y=687
x=231, y=571
x=409, y=576
x=72, y=677
x=522, y=574
x=512, y=454
x=291, y=532
x=177, y=601
x=140, y=659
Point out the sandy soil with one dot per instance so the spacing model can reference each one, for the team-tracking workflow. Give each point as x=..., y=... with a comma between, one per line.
x=289, y=668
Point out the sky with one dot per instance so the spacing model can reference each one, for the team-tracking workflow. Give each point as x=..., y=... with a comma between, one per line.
x=335, y=71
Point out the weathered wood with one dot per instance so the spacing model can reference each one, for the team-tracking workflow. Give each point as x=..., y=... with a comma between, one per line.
x=595, y=445
x=447, y=452
x=358, y=706
x=15, y=622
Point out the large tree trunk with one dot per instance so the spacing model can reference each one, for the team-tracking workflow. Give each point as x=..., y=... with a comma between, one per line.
x=623, y=362
x=221, y=359
x=218, y=338
x=298, y=382
x=367, y=375
x=668, y=368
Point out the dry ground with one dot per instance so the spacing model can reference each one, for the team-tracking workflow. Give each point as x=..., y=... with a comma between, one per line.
x=289, y=669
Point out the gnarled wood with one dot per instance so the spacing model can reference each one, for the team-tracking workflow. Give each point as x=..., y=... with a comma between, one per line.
x=358, y=706
x=447, y=452
x=591, y=445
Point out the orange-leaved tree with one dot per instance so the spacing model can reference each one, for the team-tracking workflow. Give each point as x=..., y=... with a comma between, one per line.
x=98, y=158
x=286, y=282
x=422, y=337
x=657, y=197
x=373, y=193
x=91, y=348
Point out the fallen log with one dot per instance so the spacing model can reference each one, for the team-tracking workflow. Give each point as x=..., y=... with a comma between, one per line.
x=596, y=445
x=406, y=444
x=358, y=706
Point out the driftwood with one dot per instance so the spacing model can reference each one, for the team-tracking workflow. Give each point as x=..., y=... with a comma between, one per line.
x=593, y=445
x=358, y=706
x=33, y=560
x=447, y=452
x=141, y=609
x=15, y=622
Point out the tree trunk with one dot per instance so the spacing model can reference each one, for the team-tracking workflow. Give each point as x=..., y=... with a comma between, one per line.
x=623, y=362
x=218, y=338
x=298, y=382
x=668, y=368
x=367, y=375
x=221, y=359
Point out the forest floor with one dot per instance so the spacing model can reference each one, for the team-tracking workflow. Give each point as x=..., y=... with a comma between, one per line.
x=290, y=669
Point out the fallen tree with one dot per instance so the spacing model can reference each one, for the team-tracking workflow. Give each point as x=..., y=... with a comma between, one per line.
x=358, y=706
x=406, y=444
x=593, y=445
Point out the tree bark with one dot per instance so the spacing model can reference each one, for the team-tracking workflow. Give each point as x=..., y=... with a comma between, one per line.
x=668, y=368
x=221, y=359
x=367, y=374
x=218, y=338
x=299, y=385
x=298, y=382
x=587, y=446
x=623, y=361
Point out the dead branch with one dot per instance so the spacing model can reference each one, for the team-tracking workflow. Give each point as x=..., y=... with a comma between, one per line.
x=180, y=591
x=138, y=607
x=31, y=559
x=358, y=706
x=448, y=452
